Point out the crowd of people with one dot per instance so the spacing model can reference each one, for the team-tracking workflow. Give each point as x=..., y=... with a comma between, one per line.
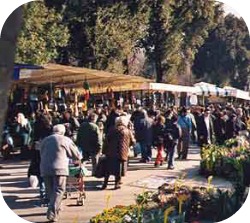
x=49, y=139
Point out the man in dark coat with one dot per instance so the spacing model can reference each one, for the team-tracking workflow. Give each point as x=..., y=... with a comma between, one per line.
x=219, y=127
x=89, y=140
x=232, y=126
x=144, y=135
x=172, y=135
x=110, y=122
x=205, y=129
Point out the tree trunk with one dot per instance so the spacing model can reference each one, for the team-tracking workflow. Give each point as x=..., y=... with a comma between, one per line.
x=159, y=73
x=7, y=55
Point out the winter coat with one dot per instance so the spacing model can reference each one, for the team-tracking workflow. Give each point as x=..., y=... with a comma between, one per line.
x=144, y=130
x=219, y=129
x=232, y=129
x=89, y=138
x=117, y=143
x=110, y=122
x=158, y=134
x=172, y=134
x=55, y=151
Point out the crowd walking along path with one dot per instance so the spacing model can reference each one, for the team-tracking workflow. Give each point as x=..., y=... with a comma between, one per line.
x=24, y=201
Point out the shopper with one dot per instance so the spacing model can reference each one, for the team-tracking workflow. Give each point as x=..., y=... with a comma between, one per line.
x=116, y=149
x=158, y=139
x=89, y=140
x=55, y=153
x=184, y=121
x=172, y=135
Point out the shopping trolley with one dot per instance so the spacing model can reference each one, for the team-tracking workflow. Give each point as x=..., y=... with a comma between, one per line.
x=75, y=183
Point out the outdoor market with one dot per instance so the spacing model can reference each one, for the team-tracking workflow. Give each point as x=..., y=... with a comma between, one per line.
x=83, y=99
x=125, y=111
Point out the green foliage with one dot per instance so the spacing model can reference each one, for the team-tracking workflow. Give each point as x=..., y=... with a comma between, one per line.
x=42, y=33
x=226, y=160
x=225, y=56
x=117, y=31
x=80, y=18
x=156, y=38
x=199, y=204
x=175, y=32
x=162, y=36
x=155, y=41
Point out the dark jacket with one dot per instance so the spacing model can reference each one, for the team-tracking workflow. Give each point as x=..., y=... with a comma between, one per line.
x=110, y=123
x=219, y=129
x=144, y=130
x=158, y=134
x=89, y=138
x=232, y=128
x=202, y=130
x=172, y=134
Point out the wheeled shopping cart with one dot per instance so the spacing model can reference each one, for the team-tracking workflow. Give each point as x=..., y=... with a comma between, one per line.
x=75, y=183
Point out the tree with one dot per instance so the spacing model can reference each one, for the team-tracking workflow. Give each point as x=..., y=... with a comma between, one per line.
x=195, y=19
x=225, y=56
x=176, y=30
x=7, y=54
x=113, y=34
x=155, y=41
x=80, y=19
x=118, y=30
x=41, y=34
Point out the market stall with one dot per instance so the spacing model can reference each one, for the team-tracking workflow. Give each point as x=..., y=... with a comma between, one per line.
x=73, y=77
x=106, y=86
x=210, y=93
x=237, y=93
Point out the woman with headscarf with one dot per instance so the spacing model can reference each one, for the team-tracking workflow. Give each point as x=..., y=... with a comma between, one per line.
x=116, y=149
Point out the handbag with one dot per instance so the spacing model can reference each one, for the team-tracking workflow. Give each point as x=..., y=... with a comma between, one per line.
x=101, y=167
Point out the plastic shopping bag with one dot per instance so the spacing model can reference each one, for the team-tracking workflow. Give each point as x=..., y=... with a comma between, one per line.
x=33, y=181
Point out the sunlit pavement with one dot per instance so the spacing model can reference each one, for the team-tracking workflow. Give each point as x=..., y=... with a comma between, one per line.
x=24, y=200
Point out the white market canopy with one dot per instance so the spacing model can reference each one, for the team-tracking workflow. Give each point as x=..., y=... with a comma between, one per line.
x=237, y=93
x=99, y=81
x=208, y=89
x=171, y=88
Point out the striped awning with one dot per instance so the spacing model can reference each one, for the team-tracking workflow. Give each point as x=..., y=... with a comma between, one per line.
x=207, y=89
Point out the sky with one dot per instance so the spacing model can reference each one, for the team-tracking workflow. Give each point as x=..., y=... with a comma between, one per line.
x=229, y=9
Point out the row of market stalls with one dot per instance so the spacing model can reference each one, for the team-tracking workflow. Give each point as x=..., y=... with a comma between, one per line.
x=84, y=87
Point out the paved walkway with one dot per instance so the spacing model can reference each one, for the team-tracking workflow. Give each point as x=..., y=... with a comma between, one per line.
x=24, y=202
